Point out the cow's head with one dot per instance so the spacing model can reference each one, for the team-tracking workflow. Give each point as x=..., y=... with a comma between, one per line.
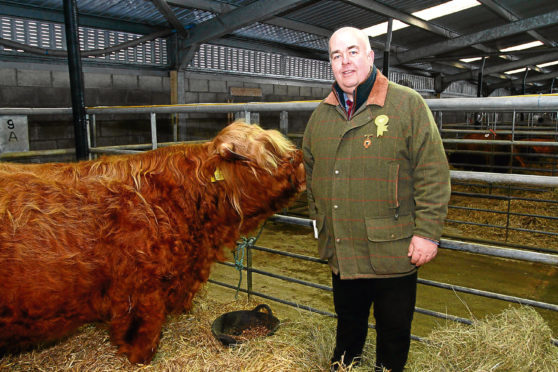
x=261, y=169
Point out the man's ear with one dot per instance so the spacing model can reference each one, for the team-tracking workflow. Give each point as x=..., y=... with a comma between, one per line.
x=371, y=56
x=226, y=151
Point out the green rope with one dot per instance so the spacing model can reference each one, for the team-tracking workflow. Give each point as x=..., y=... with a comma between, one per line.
x=240, y=252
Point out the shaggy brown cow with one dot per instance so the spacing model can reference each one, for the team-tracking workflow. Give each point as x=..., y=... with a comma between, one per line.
x=128, y=239
x=485, y=157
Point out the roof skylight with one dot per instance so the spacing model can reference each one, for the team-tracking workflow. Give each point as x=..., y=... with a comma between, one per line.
x=427, y=14
x=522, y=46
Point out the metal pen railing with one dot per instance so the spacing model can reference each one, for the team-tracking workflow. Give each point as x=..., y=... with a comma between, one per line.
x=500, y=104
x=548, y=259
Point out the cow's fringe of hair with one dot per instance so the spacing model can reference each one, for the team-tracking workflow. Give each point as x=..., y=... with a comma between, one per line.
x=263, y=148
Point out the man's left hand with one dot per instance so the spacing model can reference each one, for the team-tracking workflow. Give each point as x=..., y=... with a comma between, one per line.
x=422, y=250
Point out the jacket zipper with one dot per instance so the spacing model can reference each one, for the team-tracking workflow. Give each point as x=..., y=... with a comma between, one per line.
x=397, y=193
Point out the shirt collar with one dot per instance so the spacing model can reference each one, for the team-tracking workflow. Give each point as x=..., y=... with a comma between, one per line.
x=377, y=94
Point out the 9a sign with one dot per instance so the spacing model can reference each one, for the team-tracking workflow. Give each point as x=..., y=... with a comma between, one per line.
x=13, y=134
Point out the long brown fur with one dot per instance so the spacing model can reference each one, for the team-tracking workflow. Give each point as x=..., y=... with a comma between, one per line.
x=128, y=239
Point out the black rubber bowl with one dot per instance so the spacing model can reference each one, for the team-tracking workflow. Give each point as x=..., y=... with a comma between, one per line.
x=235, y=322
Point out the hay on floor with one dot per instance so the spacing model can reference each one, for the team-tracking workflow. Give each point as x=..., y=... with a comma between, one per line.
x=302, y=343
x=517, y=339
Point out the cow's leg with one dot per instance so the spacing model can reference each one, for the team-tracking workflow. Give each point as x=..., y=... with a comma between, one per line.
x=136, y=326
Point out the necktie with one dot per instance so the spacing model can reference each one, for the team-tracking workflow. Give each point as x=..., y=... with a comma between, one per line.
x=350, y=108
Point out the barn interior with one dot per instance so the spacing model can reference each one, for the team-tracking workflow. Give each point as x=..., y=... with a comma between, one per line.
x=82, y=78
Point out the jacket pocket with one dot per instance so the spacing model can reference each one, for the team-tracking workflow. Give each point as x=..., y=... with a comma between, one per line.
x=325, y=247
x=388, y=244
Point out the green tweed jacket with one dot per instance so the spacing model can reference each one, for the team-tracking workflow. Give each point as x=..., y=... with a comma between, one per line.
x=375, y=180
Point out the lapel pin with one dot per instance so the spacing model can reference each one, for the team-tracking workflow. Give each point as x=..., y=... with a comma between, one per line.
x=367, y=141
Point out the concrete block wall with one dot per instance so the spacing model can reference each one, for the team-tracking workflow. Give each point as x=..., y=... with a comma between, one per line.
x=40, y=85
x=216, y=88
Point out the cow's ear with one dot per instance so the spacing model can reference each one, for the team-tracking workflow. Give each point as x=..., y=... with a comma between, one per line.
x=226, y=151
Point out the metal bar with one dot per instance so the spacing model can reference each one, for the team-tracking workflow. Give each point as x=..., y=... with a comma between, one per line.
x=502, y=212
x=497, y=32
x=519, y=300
x=500, y=131
x=30, y=154
x=481, y=152
x=479, y=79
x=226, y=23
x=502, y=227
x=387, y=48
x=291, y=220
x=93, y=124
x=493, y=104
x=521, y=179
x=113, y=151
x=501, y=142
x=76, y=78
x=443, y=316
x=153, y=130
x=490, y=250
x=284, y=122
x=35, y=111
x=285, y=302
x=167, y=12
x=249, y=277
x=288, y=254
x=502, y=197
x=460, y=246
x=209, y=108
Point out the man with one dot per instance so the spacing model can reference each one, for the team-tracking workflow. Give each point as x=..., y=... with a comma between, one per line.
x=378, y=188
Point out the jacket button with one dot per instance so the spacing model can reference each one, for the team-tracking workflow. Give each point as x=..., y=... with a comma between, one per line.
x=336, y=171
x=337, y=240
x=335, y=206
x=392, y=236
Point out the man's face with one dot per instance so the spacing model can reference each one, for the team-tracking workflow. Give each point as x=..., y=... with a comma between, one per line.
x=349, y=59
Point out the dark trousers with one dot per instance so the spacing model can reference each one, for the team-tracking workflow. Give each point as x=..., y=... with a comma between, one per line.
x=394, y=303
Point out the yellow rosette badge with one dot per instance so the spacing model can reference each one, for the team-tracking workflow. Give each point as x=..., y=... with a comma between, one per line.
x=381, y=122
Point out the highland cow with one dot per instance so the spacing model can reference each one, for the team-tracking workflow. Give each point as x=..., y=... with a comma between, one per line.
x=126, y=240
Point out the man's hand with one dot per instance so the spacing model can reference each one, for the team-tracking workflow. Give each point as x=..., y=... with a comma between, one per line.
x=422, y=250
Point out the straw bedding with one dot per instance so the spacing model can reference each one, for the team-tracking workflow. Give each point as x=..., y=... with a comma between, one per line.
x=515, y=340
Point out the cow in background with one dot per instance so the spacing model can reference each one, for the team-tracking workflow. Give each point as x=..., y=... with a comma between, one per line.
x=128, y=239
x=484, y=157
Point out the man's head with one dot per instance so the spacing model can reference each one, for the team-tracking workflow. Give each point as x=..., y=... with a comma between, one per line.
x=351, y=58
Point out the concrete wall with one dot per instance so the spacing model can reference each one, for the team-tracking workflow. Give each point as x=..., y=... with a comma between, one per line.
x=43, y=85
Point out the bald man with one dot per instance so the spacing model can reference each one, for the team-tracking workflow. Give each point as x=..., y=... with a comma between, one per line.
x=378, y=187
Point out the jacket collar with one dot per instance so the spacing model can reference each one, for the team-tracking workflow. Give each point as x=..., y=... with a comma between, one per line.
x=377, y=95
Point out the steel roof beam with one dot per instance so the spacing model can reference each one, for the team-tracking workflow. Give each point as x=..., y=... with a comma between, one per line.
x=519, y=81
x=226, y=23
x=516, y=27
x=389, y=12
x=547, y=57
x=238, y=18
x=220, y=8
x=509, y=16
x=169, y=15
x=271, y=47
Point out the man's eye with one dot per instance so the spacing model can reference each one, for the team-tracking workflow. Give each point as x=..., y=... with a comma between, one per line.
x=353, y=52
